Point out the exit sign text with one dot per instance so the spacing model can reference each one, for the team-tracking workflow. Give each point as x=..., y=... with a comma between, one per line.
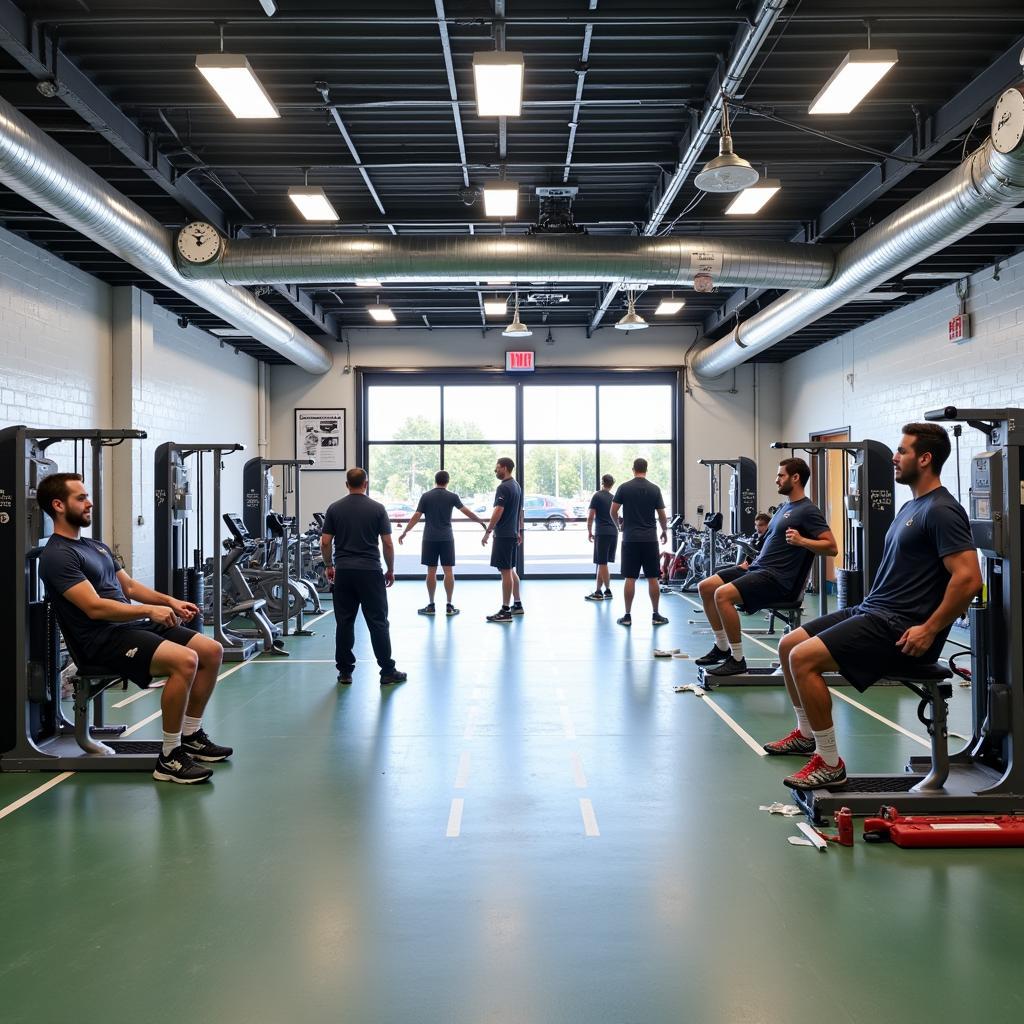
x=519, y=362
x=960, y=327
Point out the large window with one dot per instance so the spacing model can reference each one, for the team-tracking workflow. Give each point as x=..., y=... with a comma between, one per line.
x=563, y=433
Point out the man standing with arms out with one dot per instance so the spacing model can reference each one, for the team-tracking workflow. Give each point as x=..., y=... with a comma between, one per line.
x=928, y=576
x=796, y=534
x=641, y=500
x=354, y=525
x=604, y=535
x=438, y=540
x=91, y=596
x=506, y=524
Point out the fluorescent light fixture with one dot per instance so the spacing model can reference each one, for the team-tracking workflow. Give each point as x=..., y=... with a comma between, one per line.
x=312, y=202
x=668, y=307
x=382, y=314
x=236, y=84
x=495, y=307
x=367, y=282
x=501, y=284
x=498, y=78
x=936, y=275
x=230, y=332
x=269, y=7
x=859, y=72
x=752, y=199
x=879, y=296
x=501, y=198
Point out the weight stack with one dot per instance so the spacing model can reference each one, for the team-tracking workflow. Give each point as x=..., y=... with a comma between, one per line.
x=849, y=588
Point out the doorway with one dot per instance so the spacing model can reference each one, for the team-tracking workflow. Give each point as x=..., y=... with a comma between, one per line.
x=830, y=496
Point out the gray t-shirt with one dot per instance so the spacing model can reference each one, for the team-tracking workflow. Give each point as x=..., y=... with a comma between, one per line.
x=786, y=562
x=508, y=496
x=912, y=579
x=357, y=523
x=601, y=503
x=436, y=507
x=640, y=501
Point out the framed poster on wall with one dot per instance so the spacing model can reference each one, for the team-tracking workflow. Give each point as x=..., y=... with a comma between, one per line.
x=320, y=436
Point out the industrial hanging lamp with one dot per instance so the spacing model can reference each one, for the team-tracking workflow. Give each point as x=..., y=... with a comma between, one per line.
x=632, y=320
x=727, y=172
x=517, y=329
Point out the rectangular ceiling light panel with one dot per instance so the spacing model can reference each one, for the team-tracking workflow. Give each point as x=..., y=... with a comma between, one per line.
x=498, y=78
x=501, y=199
x=495, y=307
x=752, y=199
x=312, y=202
x=382, y=314
x=859, y=72
x=235, y=82
x=669, y=307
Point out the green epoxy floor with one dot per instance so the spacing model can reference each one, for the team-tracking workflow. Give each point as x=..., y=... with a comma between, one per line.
x=314, y=880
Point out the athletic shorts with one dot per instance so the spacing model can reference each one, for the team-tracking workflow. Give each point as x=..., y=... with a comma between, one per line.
x=130, y=650
x=731, y=573
x=604, y=548
x=863, y=645
x=637, y=555
x=503, y=552
x=438, y=552
x=757, y=589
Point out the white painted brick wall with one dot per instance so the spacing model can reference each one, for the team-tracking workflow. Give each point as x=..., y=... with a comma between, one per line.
x=903, y=365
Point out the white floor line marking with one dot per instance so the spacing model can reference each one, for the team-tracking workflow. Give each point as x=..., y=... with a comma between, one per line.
x=471, y=723
x=138, y=696
x=577, y=772
x=567, y=727
x=38, y=791
x=313, y=622
x=881, y=718
x=735, y=726
x=455, y=818
x=589, y=817
x=462, y=775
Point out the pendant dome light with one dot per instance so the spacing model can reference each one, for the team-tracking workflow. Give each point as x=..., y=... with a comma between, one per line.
x=516, y=329
x=727, y=172
x=632, y=320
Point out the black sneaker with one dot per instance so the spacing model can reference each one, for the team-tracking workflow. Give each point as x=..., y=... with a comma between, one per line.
x=450, y=609
x=626, y=620
x=426, y=610
x=729, y=667
x=595, y=596
x=178, y=766
x=345, y=678
x=658, y=620
x=504, y=615
x=393, y=677
x=517, y=608
x=714, y=657
x=607, y=595
x=202, y=748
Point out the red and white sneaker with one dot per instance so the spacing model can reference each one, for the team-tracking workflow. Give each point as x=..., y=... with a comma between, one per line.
x=817, y=775
x=795, y=743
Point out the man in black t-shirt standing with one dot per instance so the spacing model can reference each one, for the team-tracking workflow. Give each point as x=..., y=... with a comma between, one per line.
x=91, y=596
x=353, y=528
x=436, y=506
x=506, y=524
x=928, y=575
x=642, y=501
x=604, y=535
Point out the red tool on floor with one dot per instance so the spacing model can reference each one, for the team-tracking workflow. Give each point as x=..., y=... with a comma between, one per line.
x=961, y=830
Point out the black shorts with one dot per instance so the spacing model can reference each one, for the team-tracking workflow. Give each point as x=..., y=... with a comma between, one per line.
x=757, y=590
x=129, y=652
x=637, y=555
x=438, y=552
x=731, y=573
x=604, y=548
x=863, y=645
x=503, y=552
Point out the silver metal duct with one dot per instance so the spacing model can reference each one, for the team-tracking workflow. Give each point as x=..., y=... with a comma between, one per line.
x=979, y=190
x=330, y=259
x=36, y=167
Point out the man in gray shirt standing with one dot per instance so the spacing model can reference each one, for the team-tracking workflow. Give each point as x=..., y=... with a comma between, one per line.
x=353, y=527
x=506, y=523
x=436, y=506
x=641, y=500
x=604, y=535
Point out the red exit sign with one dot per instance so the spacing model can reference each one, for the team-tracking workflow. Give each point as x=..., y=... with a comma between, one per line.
x=960, y=327
x=519, y=362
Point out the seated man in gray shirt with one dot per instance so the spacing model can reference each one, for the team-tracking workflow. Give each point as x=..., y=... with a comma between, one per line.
x=436, y=506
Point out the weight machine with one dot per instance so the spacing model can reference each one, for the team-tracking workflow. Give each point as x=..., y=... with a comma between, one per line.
x=742, y=500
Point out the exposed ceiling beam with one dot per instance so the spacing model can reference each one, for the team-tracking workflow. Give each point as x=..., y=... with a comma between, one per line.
x=446, y=49
x=309, y=308
x=581, y=75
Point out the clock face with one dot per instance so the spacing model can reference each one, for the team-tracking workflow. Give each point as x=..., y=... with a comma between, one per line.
x=198, y=242
x=1008, y=121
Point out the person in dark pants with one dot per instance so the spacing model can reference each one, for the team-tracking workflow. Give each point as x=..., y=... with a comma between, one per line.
x=506, y=523
x=604, y=535
x=436, y=506
x=642, y=500
x=353, y=527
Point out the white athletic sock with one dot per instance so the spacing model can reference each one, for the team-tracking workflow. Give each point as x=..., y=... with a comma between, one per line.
x=721, y=640
x=191, y=725
x=736, y=650
x=825, y=746
x=803, y=723
x=171, y=740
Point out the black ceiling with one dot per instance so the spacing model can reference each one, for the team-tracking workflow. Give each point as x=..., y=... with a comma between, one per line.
x=648, y=66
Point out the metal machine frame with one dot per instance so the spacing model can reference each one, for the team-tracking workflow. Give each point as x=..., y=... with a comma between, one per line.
x=742, y=498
